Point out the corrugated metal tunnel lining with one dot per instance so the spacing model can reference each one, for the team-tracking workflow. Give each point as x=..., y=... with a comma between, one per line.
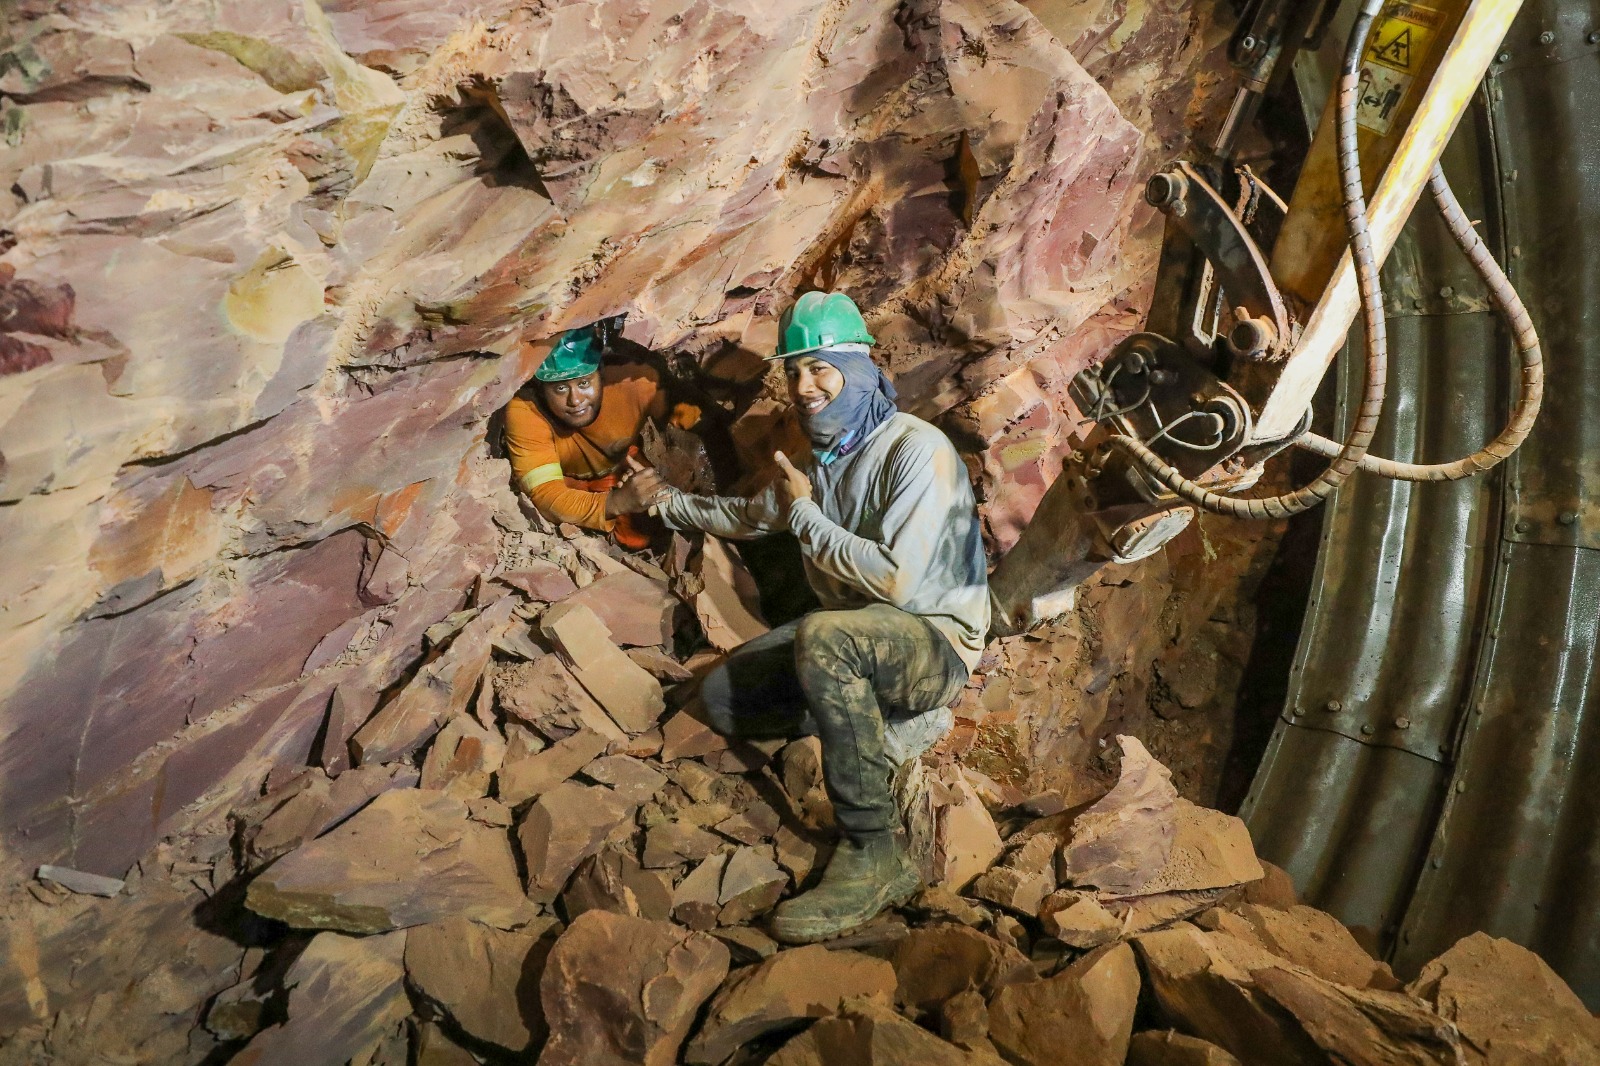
x=1436, y=769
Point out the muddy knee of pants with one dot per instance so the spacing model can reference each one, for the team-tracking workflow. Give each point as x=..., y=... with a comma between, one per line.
x=836, y=667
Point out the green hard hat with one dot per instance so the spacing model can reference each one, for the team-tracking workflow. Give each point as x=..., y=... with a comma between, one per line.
x=576, y=355
x=818, y=320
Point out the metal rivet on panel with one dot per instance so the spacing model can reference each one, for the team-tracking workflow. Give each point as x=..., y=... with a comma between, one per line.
x=1504, y=57
x=1546, y=37
x=1366, y=730
x=1435, y=863
x=1334, y=706
x=1523, y=526
x=1446, y=291
x=1461, y=786
x=1566, y=518
x=1402, y=723
x=1593, y=37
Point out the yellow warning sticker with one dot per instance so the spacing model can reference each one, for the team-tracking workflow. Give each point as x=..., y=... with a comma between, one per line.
x=1403, y=36
x=1396, y=51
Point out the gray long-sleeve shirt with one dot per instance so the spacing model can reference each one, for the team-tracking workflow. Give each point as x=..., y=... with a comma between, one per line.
x=892, y=522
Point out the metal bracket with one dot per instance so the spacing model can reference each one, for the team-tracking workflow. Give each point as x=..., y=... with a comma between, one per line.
x=1255, y=322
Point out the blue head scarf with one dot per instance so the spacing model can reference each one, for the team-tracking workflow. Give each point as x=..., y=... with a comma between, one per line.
x=865, y=403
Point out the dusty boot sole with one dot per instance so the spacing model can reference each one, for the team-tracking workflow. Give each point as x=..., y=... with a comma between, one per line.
x=826, y=927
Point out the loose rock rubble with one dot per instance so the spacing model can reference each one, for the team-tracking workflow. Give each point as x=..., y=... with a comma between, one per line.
x=567, y=881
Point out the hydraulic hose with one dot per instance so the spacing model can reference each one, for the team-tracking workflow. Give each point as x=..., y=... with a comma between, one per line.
x=1349, y=456
x=1510, y=307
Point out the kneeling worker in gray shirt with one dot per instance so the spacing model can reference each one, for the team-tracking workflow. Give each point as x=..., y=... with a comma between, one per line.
x=889, y=534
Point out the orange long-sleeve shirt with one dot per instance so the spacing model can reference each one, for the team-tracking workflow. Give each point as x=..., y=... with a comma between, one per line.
x=551, y=462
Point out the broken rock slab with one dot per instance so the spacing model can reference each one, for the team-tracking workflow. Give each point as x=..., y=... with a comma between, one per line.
x=791, y=987
x=683, y=736
x=486, y=979
x=540, y=580
x=1306, y=937
x=1210, y=850
x=660, y=666
x=1508, y=1005
x=674, y=843
x=1087, y=1007
x=537, y=774
x=1078, y=920
x=628, y=693
x=1024, y=877
x=346, y=994
x=866, y=1033
x=463, y=758
x=751, y=885
x=612, y=880
x=1275, y=889
x=319, y=804
x=964, y=1022
x=694, y=901
x=1170, y=1048
x=1121, y=842
x=747, y=943
x=754, y=825
x=1261, y=1008
x=624, y=991
x=563, y=827
x=728, y=604
x=939, y=960
x=545, y=695
x=966, y=842
x=409, y=858
x=440, y=691
x=635, y=780
x=432, y=1046
x=1141, y=914
x=85, y=884
x=636, y=611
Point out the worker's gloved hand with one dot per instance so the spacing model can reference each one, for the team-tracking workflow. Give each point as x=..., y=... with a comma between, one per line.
x=791, y=485
x=640, y=489
x=685, y=415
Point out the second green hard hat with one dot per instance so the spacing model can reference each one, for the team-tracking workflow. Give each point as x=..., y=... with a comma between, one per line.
x=819, y=320
x=575, y=355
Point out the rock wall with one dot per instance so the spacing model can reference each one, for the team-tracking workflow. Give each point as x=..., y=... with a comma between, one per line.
x=267, y=267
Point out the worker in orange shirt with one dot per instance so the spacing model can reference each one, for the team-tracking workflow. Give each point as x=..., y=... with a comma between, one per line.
x=569, y=430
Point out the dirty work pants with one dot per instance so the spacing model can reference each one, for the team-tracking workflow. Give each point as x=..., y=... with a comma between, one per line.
x=838, y=674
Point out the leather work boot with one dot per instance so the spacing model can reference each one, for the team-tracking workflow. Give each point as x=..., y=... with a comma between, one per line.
x=863, y=878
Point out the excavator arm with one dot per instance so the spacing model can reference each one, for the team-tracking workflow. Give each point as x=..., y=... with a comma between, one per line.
x=1255, y=296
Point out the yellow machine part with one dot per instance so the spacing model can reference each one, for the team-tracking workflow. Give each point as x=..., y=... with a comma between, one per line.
x=1423, y=62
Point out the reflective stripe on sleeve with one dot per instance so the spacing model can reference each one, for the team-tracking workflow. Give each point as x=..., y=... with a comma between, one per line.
x=541, y=475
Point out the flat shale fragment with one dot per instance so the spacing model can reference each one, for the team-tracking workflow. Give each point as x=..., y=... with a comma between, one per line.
x=409, y=858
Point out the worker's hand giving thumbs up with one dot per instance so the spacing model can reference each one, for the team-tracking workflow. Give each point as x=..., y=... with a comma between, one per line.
x=791, y=485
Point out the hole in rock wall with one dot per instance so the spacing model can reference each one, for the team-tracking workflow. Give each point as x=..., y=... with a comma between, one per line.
x=501, y=159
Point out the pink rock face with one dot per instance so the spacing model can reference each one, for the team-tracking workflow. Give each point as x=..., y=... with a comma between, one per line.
x=273, y=263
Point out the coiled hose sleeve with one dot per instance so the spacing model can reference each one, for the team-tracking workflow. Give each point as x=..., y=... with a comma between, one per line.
x=1510, y=307
x=1377, y=344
